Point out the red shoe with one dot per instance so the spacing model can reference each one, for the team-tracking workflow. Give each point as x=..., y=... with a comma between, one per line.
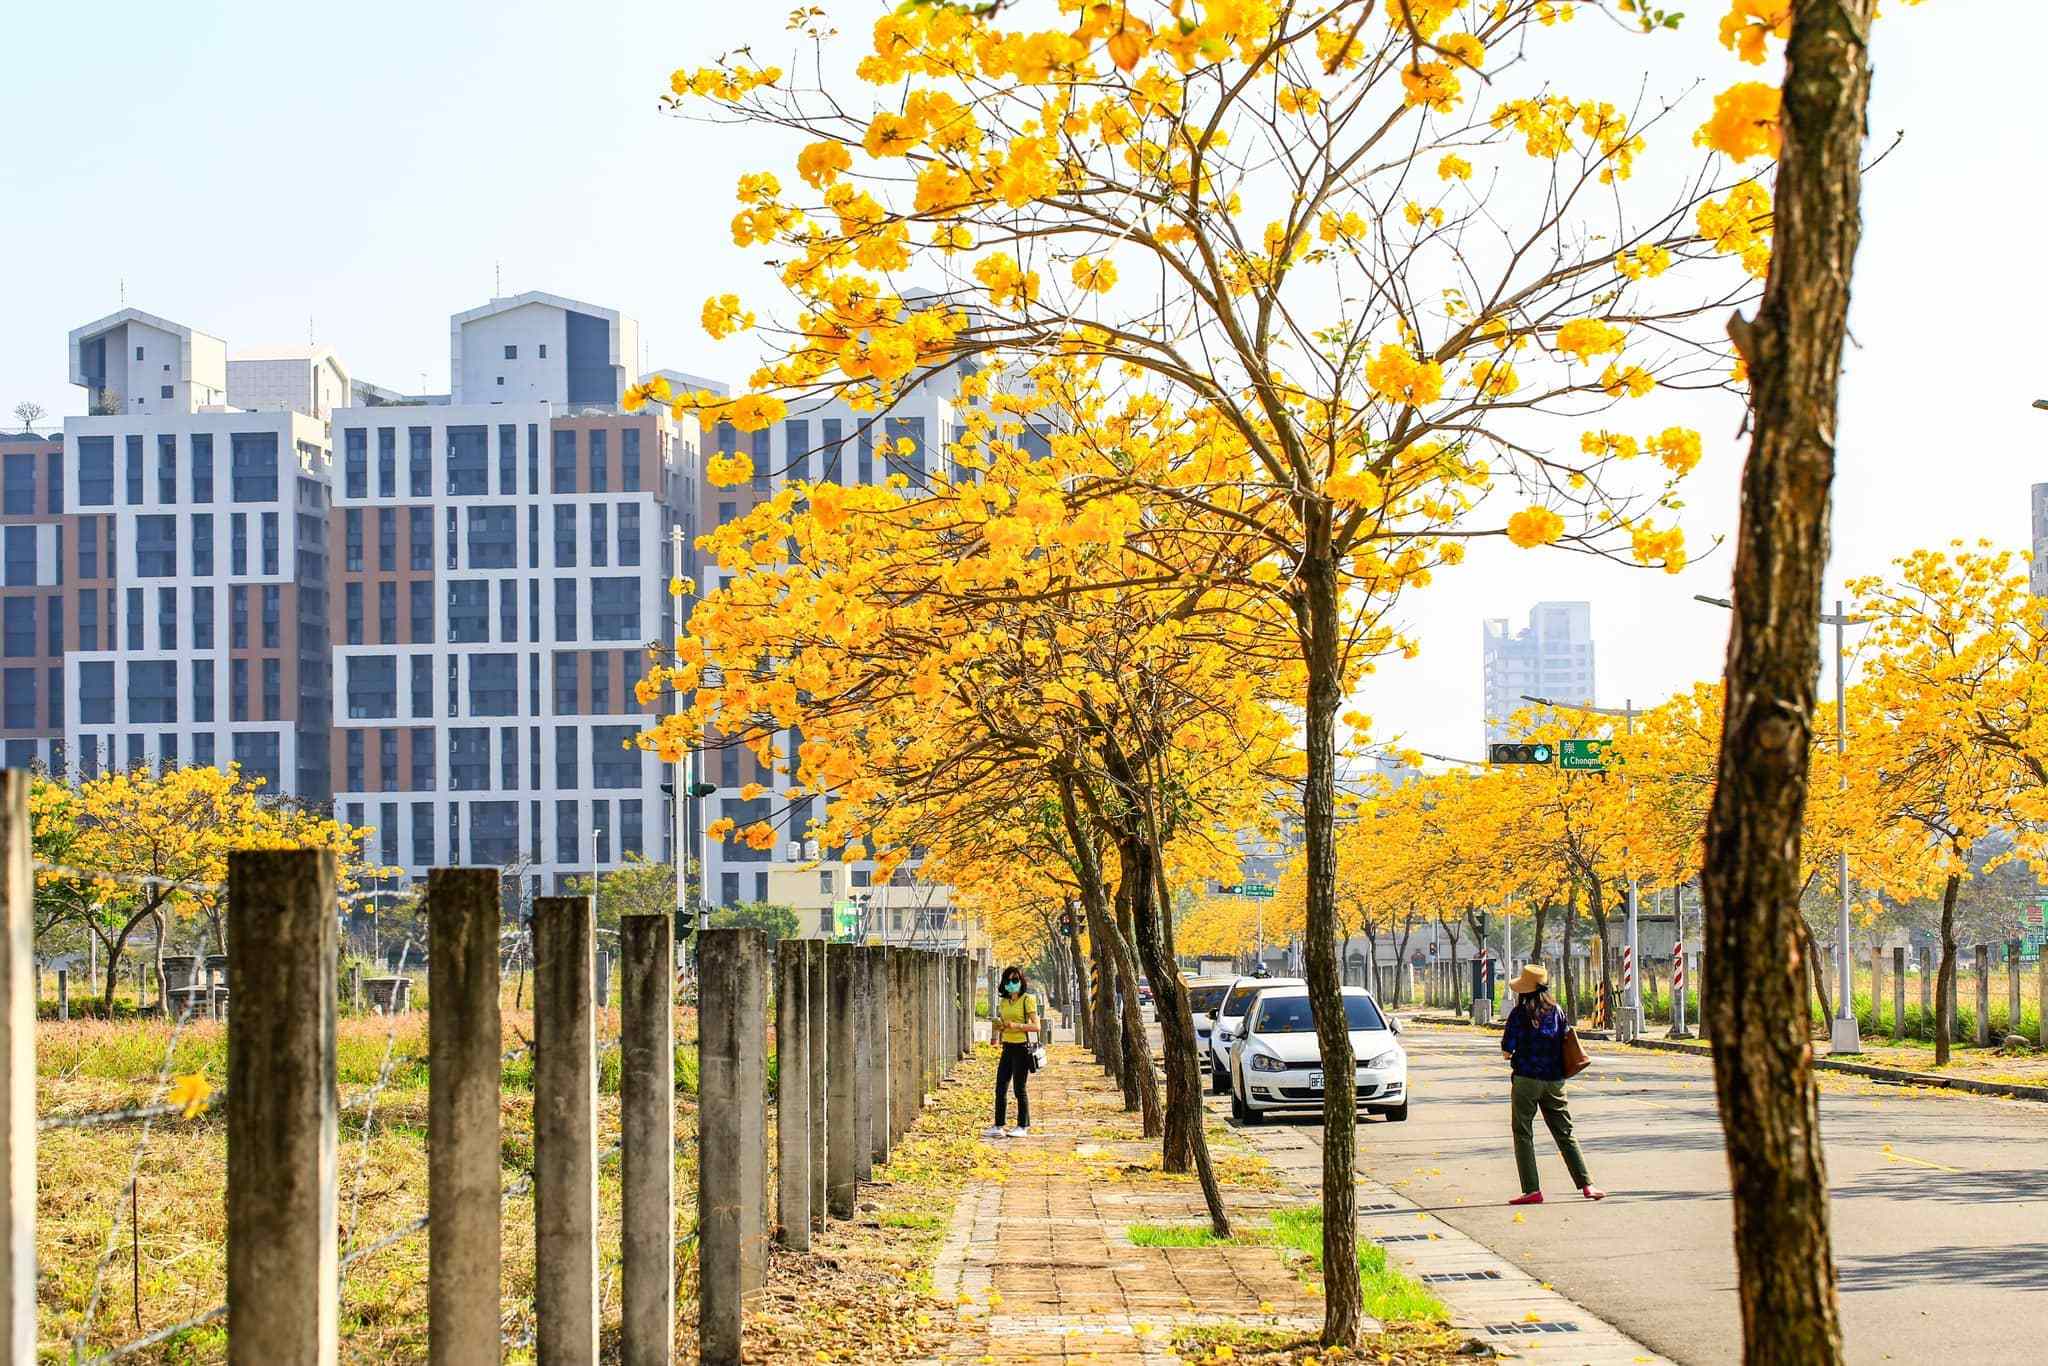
x=1593, y=1192
x=1532, y=1198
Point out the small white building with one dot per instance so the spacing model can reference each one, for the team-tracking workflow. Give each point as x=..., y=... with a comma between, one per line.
x=537, y=347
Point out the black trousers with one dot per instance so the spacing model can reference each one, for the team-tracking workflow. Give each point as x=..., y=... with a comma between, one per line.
x=1014, y=1066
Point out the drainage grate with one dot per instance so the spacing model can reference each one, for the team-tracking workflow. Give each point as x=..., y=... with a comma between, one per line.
x=1509, y=1330
x=1376, y=1209
x=1407, y=1238
x=1445, y=1277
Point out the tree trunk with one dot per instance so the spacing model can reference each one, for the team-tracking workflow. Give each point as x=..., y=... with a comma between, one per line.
x=163, y=995
x=1319, y=613
x=116, y=946
x=1185, y=1140
x=1816, y=968
x=1945, y=983
x=1571, y=974
x=1536, y=929
x=1084, y=1017
x=1140, y=1081
x=1102, y=936
x=1763, y=1068
x=1597, y=908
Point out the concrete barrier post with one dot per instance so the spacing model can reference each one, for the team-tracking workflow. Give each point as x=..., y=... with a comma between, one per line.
x=1898, y=993
x=63, y=994
x=845, y=1073
x=18, y=1078
x=822, y=1110
x=464, y=1156
x=564, y=1131
x=1927, y=990
x=2012, y=986
x=1876, y=988
x=647, y=1135
x=732, y=966
x=1983, y=1001
x=964, y=984
x=908, y=1095
x=875, y=1082
x=603, y=993
x=792, y=1096
x=283, y=1281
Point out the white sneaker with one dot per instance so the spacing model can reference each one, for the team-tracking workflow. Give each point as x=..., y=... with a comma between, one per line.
x=1016, y=1133
x=996, y=1131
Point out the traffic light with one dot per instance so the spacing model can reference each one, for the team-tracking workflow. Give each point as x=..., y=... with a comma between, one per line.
x=1521, y=754
x=703, y=789
x=1067, y=925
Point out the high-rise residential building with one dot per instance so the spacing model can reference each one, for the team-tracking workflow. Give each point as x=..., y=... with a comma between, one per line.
x=2039, y=527
x=193, y=557
x=1551, y=657
x=32, y=599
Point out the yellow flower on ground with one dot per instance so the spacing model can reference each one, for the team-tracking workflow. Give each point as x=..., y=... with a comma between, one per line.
x=189, y=1093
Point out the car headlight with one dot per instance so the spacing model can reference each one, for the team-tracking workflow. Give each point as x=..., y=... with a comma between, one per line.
x=1266, y=1062
x=1222, y=1036
x=1387, y=1059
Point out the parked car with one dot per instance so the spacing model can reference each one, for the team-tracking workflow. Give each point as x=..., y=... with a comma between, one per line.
x=1204, y=995
x=1228, y=1016
x=1276, y=1062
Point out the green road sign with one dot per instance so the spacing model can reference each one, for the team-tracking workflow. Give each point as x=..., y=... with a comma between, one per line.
x=1583, y=756
x=1252, y=889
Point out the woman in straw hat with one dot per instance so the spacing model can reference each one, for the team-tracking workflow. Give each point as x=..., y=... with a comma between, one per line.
x=1534, y=1044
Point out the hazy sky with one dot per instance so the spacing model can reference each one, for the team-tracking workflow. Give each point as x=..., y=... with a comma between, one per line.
x=252, y=173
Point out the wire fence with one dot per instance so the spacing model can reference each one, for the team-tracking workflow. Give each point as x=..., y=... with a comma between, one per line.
x=275, y=1026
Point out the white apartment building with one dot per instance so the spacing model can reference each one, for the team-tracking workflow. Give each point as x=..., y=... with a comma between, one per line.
x=1551, y=657
x=537, y=347
x=194, y=551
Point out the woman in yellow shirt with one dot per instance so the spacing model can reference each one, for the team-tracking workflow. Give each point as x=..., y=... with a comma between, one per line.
x=1017, y=1026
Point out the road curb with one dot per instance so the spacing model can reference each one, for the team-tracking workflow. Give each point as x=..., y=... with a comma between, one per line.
x=1896, y=1076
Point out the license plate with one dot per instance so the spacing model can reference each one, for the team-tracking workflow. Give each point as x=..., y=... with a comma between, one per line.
x=1315, y=1080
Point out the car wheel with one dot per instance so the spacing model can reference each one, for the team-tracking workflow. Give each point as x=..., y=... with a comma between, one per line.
x=1218, y=1082
x=1396, y=1113
x=1252, y=1118
x=1237, y=1108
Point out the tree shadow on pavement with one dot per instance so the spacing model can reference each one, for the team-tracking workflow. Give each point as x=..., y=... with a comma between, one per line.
x=1999, y=1267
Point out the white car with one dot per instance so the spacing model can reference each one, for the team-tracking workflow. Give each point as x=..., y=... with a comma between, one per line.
x=1229, y=1015
x=1204, y=995
x=1276, y=1063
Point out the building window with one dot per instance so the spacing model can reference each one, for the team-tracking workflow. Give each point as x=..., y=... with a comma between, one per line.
x=20, y=705
x=89, y=620
x=202, y=467
x=202, y=618
x=511, y=353
x=600, y=685
x=423, y=759
x=493, y=538
x=132, y=469
x=95, y=471
x=89, y=547
x=469, y=759
x=273, y=690
x=423, y=832
x=270, y=543
x=202, y=545
x=387, y=540
x=422, y=686
x=728, y=889
x=422, y=612
x=601, y=832
x=796, y=449
x=53, y=623
x=508, y=460
x=493, y=832
x=252, y=468
x=563, y=472
x=629, y=535
x=152, y=692
x=352, y=596
x=202, y=750
x=494, y=685
x=629, y=460
x=167, y=618
x=273, y=624
x=355, y=462
x=372, y=687
x=421, y=522
x=614, y=759
x=615, y=609
x=387, y=462
x=20, y=571
x=468, y=462
x=567, y=837
x=600, y=464
x=156, y=548
x=565, y=610
x=565, y=682
x=202, y=690
x=238, y=617
x=257, y=753
x=632, y=837
x=133, y=608
x=387, y=613
x=469, y=610
x=533, y=686
x=20, y=628
x=421, y=455
x=18, y=486
x=508, y=757
x=533, y=610
x=353, y=762
x=238, y=690
x=238, y=543
x=565, y=757
x=387, y=760
x=352, y=540
x=96, y=693
x=600, y=537
x=565, y=536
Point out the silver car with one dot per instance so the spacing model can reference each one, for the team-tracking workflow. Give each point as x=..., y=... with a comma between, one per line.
x=1229, y=1016
x=1276, y=1063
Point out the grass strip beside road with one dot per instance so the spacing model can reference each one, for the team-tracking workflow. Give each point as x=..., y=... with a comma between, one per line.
x=1390, y=1297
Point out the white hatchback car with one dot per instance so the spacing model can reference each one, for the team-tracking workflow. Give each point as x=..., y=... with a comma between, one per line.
x=1229, y=1017
x=1276, y=1062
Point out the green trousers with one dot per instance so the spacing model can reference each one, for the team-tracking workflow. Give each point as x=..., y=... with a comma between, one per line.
x=1531, y=1095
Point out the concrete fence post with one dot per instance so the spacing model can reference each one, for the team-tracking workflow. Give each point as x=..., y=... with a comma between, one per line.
x=1898, y=993
x=283, y=1281
x=792, y=1096
x=1983, y=1001
x=1876, y=988
x=1927, y=990
x=355, y=987
x=564, y=1131
x=732, y=1072
x=603, y=994
x=63, y=994
x=823, y=1111
x=876, y=1106
x=909, y=1096
x=843, y=971
x=2012, y=986
x=18, y=1076
x=464, y=1156
x=964, y=984
x=647, y=1134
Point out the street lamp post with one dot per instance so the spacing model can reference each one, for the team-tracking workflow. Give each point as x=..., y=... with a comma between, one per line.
x=1843, y=1034
x=1630, y=1020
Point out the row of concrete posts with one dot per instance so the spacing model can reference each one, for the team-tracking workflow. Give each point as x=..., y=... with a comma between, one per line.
x=863, y=1034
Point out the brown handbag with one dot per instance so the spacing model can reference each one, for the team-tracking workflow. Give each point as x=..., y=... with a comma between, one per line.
x=1575, y=1057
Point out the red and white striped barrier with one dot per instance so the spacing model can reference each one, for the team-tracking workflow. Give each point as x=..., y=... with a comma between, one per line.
x=1678, y=966
x=1628, y=968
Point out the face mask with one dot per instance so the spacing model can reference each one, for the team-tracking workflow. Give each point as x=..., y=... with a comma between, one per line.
x=1012, y=988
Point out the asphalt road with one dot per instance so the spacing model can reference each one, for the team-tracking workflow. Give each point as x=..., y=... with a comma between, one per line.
x=1940, y=1202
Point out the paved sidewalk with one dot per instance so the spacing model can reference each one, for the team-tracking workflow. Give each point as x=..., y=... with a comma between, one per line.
x=1041, y=1267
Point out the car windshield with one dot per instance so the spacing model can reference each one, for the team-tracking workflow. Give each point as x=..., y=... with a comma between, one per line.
x=1234, y=1005
x=1203, y=1000
x=1291, y=1015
